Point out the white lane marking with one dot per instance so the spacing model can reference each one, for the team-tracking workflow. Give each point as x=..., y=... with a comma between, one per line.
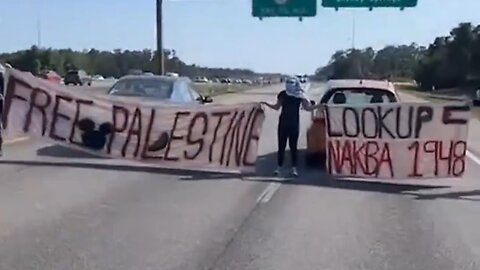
x=16, y=140
x=268, y=193
x=473, y=157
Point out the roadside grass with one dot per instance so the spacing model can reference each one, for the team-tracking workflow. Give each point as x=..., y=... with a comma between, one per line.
x=210, y=89
x=435, y=99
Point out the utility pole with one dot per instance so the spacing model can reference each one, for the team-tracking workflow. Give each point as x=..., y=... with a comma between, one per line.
x=161, y=62
x=39, y=26
x=353, y=29
x=39, y=33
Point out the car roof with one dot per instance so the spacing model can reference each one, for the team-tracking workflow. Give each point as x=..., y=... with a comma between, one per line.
x=150, y=77
x=372, y=84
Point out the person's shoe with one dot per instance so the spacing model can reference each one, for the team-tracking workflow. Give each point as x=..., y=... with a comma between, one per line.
x=294, y=172
x=277, y=171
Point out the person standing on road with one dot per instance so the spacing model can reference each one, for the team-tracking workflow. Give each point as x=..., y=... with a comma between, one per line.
x=289, y=100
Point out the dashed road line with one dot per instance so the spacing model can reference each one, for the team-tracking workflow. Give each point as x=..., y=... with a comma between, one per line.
x=16, y=140
x=473, y=157
x=268, y=193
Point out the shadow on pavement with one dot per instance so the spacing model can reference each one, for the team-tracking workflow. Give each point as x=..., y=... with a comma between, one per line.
x=59, y=151
x=264, y=168
x=191, y=174
x=310, y=177
x=259, y=93
x=460, y=195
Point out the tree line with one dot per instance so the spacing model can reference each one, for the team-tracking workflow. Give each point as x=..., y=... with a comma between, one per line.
x=449, y=61
x=115, y=63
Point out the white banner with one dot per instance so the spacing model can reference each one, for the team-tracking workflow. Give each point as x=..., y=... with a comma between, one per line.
x=397, y=140
x=198, y=136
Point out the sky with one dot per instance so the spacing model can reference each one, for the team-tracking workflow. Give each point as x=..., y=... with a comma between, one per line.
x=223, y=33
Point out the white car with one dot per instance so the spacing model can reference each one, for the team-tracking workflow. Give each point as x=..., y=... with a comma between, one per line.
x=476, y=100
x=158, y=89
x=201, y=80
x=98, y=78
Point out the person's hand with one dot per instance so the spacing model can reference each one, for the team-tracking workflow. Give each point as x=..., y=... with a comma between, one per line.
x=263, y=105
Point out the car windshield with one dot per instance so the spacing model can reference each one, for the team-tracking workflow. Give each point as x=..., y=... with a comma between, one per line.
x=143, y=87
x=360, y=96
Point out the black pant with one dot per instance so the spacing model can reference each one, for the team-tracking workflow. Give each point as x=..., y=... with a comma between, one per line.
x=291, y=134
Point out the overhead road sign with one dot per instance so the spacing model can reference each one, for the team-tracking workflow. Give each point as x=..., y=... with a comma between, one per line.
x=284, y=8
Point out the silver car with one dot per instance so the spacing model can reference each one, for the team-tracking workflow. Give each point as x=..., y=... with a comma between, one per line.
x=158, y=88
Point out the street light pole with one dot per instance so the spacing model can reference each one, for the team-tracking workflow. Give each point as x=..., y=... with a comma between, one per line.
x=39, y=25
x=353, y=29
x=161, y=64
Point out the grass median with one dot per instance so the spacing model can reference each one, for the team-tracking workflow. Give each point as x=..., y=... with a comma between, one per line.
x=435, y=99
x=210, y=89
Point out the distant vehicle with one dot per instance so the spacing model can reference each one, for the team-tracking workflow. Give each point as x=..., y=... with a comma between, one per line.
x=98, y=78
x=77, y=77
x=343, y=92
x=172, y=74
x=135, y=72
x=158, y=89
x=476, y=100
x=148, y=74
x=248, y=82
x=51, y=75
x=302, y=78
x=201, y=79
x=226, y=81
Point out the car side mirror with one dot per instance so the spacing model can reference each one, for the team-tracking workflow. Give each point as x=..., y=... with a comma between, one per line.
x=207, y=99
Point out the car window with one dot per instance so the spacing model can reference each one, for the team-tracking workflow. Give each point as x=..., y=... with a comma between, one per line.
x=193, y=91
x=181, y=92
x=360, y=96
x=153, y=88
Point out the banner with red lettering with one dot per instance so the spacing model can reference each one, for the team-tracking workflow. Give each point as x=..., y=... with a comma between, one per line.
x=194, y=136
x=397, y=140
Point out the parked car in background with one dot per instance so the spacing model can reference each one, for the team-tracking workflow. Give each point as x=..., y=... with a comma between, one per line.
x=77, y=77
x=343, y=92
x=476, y=100
x=158, y=89
x=226, y=81
x=201, y=79
x=135, y=72
x=172, y=74
x=98, y=77
x=51, y=75
x=302, y=78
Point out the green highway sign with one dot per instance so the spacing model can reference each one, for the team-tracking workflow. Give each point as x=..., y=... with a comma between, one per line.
x=284, y=8
x=369, y=3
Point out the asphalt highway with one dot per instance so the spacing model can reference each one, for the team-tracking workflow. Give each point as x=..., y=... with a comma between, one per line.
x=61, y=209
